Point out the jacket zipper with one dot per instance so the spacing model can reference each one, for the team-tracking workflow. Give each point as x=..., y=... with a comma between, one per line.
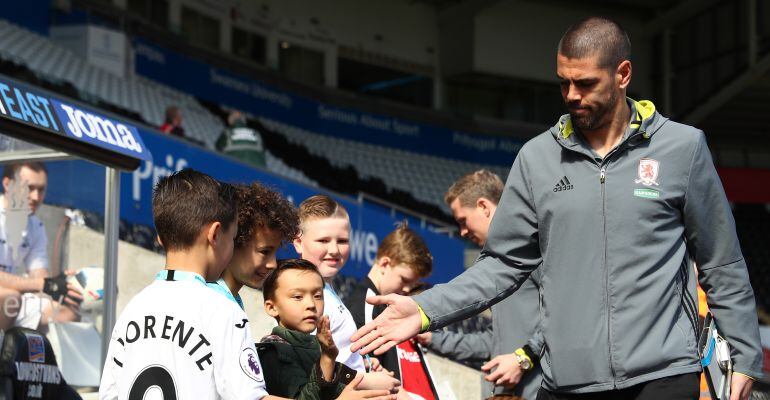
x=602, y=163
x=602, y=178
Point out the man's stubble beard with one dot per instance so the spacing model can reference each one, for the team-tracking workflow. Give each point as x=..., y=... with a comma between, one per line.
x=594, y=120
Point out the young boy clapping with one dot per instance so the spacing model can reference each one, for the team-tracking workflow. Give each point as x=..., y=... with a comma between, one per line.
x=298, y=364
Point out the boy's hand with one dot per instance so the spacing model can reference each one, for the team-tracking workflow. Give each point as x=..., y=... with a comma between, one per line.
x=380, y=380
x=353, y=392
x=324, y=335
x=372, y=364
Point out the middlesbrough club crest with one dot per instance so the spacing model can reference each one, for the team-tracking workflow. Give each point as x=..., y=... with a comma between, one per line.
x=648, y=172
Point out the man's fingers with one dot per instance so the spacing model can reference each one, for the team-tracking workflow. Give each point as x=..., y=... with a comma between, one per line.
x=740, y=387
x=361, y=333
x=490, y=364
x=365, y=340
x=385, y=347
x=494, y=376
x=373, y=342
x=378, y=299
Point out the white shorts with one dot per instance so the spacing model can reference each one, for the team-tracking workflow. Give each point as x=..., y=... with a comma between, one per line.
x=31, y=310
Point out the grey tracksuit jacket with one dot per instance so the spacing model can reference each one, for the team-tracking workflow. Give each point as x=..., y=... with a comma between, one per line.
x=514, y=324
x=614, y=238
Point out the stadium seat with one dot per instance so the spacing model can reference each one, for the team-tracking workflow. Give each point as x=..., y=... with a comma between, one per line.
x=425, y=177
x=138, y=95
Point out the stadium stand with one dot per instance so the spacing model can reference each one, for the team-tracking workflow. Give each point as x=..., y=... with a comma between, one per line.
x=38, y=60
x=342, y=178
x=426, y=177
x=396, y=175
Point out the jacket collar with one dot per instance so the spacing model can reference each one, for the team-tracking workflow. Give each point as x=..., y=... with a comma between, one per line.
x=296, y=338
x=644, y=122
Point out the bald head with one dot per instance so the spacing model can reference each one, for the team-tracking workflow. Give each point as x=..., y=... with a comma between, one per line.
x=596, y=36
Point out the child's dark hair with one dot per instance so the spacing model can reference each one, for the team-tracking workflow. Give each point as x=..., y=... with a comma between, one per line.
x=186, y=201
x=261, y=207
x=271, y=281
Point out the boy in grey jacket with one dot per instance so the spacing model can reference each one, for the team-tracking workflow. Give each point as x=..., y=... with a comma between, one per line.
x=611, y=204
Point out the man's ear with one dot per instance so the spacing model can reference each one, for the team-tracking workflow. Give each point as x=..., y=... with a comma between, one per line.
x=160, y=242
x=6, y=183
x=271, y=309
x=623, y=74
x=215, y=230
x=485, y=206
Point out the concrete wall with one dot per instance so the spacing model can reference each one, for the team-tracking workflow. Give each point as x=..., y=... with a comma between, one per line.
x=137, y=268
x=397, y=29
x=407, y=28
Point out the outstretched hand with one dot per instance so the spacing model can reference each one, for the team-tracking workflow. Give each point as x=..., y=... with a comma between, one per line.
x=400, y=321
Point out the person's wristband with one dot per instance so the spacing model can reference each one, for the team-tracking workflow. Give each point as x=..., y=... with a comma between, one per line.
x=531, y=354
x=525, y=353
x=425, y=324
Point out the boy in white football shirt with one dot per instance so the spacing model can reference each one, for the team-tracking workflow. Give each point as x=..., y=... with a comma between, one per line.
x=177, y=338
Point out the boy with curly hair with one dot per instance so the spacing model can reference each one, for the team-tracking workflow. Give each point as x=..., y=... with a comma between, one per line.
x=266, y=220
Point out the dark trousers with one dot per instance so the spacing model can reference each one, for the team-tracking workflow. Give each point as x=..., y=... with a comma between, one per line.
x=679, y=387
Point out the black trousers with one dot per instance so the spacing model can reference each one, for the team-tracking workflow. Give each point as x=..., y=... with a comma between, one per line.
x=679, y=387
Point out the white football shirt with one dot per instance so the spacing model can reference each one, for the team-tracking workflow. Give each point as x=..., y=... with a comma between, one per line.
x=179, y=336
x=343, y=327
x=31, y=254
